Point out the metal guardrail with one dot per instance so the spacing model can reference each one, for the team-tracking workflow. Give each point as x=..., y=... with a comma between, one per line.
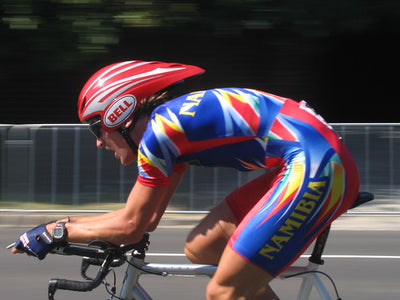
x=168, y=212
x=59, y=164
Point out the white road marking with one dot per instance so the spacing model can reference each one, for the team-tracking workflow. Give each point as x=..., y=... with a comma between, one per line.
x=361, y=256
x=167, y=254
x=302, y=256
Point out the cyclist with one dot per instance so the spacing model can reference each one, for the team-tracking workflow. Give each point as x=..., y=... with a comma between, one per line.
x=260, y=228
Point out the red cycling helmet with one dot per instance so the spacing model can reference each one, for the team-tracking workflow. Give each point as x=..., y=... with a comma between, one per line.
x=114, y=93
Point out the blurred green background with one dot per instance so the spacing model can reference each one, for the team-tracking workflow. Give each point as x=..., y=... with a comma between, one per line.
x=338, y=55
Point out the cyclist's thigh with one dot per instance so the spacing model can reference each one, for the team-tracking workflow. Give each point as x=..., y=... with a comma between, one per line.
x=243, y=199
x=292, y=213
x=206, y=242
x=237, y=278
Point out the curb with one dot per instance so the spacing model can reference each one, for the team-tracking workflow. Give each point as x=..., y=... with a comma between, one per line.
x=373, y=222
x=33, y=219
x=367, y=222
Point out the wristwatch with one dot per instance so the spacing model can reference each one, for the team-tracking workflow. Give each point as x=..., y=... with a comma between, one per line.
x=59, y=232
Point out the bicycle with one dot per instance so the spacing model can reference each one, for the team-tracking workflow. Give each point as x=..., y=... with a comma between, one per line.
x=108, y=256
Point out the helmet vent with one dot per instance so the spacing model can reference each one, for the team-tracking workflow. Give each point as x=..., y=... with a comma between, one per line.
x=82, y=104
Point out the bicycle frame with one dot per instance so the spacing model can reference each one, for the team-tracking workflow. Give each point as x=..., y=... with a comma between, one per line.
x=132, y=290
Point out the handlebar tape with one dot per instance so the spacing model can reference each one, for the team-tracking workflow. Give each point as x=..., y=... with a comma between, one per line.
x=72, y=285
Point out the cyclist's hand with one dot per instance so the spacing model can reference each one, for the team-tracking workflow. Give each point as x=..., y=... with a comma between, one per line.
x=36, y=242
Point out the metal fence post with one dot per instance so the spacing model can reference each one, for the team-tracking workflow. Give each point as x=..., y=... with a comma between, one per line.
x=54, y=159
x=99, y=165
x=32, y=164
x=366, y=162
x=76, y=167
x=391, y=160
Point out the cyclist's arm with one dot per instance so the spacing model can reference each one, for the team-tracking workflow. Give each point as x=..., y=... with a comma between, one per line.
x=158, y=213
x=82, y=219
x=144, y=208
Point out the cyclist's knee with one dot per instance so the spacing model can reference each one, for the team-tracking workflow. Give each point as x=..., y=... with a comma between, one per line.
x=198, y=254
x=219, y=292
x=215, y=291
x=192, y=255
x=194, y=249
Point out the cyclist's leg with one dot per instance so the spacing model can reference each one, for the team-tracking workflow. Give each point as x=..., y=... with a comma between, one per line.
x=236, y=278
x=282, y=224
x=206, y=242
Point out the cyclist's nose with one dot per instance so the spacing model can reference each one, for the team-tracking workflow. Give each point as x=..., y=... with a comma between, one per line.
x=99, y=143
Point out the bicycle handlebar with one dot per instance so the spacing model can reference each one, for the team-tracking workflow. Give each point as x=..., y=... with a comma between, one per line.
x=99, y=253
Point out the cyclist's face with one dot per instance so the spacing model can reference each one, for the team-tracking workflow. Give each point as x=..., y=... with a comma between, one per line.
x=114, y=141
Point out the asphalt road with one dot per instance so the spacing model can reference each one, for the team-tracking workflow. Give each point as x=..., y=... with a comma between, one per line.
x=364, y=264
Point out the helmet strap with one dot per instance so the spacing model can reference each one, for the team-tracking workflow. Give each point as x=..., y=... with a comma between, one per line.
x=125, y=132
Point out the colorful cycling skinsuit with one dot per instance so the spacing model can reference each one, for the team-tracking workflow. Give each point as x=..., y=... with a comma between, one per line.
x=312, y=178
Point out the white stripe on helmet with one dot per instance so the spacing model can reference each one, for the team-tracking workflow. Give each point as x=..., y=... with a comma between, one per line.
x=98, y=106
x=97, y=103
x=106, y=72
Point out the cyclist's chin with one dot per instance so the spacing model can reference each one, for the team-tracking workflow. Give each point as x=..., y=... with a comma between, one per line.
x=126, y=159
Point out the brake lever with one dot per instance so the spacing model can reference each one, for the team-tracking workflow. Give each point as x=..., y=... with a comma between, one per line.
x=11, y=246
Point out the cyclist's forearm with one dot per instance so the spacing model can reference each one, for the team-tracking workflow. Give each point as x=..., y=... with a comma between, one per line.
x=155, y=219
x=123, y=226
x=82, y=219
x=109, y=227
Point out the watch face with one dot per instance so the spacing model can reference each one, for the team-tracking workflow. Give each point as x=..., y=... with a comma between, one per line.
x=58, y=231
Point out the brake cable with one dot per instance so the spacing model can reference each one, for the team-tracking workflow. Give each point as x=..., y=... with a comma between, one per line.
x=318, y=272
